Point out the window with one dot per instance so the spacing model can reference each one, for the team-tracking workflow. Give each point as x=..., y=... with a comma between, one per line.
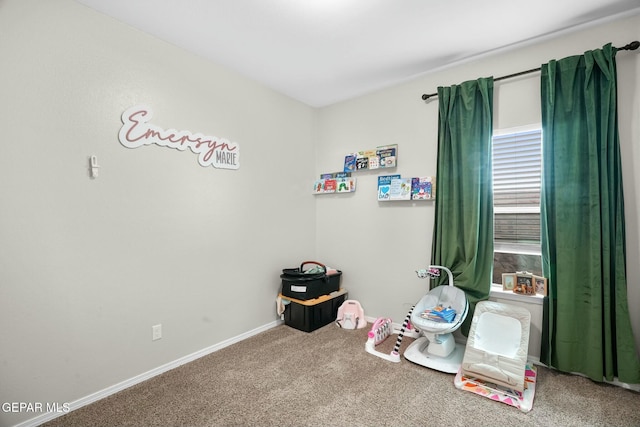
x=517, y=166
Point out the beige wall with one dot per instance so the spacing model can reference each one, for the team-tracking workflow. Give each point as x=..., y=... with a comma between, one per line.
x=88, y=266
x=381, y=244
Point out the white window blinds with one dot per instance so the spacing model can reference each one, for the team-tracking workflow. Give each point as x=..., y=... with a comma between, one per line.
x=516, y=190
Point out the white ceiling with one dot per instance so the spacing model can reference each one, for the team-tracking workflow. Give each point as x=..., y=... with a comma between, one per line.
x=325, y=51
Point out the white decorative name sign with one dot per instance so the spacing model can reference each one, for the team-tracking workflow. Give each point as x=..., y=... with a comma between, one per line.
x=136, y=131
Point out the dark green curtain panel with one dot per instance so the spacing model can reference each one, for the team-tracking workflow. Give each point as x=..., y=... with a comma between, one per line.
x=583, y=229
x=463, y=230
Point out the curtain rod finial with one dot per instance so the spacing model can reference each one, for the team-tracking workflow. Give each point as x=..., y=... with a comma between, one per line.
x=632, y=46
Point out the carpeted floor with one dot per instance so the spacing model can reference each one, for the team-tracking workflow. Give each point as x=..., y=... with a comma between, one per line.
x=285, y=377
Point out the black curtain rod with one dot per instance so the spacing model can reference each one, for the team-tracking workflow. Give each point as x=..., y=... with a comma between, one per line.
x=631, y=46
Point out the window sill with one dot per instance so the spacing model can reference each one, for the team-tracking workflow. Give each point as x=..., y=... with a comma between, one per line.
x=497, y=292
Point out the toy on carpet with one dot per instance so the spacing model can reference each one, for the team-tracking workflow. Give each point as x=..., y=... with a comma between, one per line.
x=351, y=315
x=381, y=330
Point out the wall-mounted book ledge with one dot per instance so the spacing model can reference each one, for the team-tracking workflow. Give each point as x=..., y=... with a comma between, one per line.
x=337, y=182
x=394, y=188
x=383, y=157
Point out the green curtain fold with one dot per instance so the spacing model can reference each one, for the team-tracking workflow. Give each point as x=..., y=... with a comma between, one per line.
x=463, y=230
x=582, y=221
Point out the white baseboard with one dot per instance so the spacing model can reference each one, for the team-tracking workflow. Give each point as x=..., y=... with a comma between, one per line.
x=94, y=397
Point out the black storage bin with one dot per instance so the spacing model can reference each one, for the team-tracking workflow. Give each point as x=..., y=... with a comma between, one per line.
x=309, y=315
x=304, y=286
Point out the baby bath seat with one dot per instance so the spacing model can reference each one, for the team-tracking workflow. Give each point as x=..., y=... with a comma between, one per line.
x=495, y=358
x=436, y=348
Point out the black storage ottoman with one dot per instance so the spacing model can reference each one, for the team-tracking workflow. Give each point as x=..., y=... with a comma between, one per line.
x=309, y=315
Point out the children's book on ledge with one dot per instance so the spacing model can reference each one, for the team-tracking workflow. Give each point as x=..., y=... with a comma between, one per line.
x=381, y=157
x=336, y=182
x=384, y=187
x=400, y=189
x=394, y=187
x=423, y=188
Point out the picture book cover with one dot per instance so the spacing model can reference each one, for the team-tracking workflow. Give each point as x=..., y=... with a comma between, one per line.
x=421, y=188
x=350, y=162
x=366, y=159
x=384, y=186
x=387, y=156
x=362, y=163
x=374, y=162
x=367, y=153
x=334, y=175
x=318, y=186
x=400, y=189
x=330, y=185
x=346, y=185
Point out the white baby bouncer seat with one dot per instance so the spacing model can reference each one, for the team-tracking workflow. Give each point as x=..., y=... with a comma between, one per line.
x=498, y=344
x=436, y=348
